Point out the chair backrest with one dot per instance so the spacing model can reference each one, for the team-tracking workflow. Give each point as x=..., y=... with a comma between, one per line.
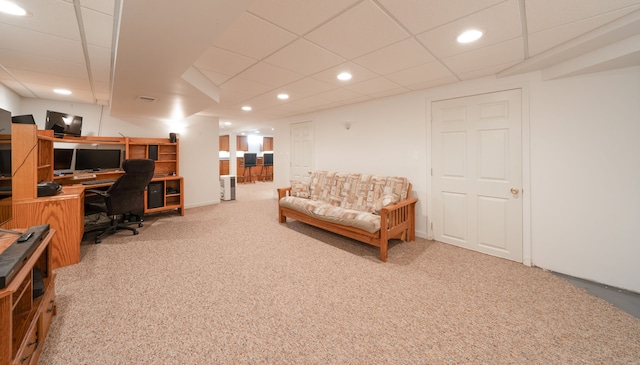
x=126, y=195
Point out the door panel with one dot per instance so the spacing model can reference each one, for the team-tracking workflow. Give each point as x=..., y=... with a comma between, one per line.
x=477, y=149
x=301, y=150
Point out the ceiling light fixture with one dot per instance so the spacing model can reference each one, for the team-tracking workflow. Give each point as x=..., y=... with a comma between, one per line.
x=10, y=8
x=344, y=76
x=62, y=91
x=469, y=36
x=246, y=108
x=283, y=96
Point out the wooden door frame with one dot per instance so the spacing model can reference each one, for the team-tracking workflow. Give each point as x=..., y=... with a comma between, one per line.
x=526, y=156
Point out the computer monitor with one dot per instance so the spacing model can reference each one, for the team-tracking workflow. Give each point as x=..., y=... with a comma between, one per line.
x=267, y=159
x=97, y=159
x=5, y=162
x=62, y=123
x=62, y=158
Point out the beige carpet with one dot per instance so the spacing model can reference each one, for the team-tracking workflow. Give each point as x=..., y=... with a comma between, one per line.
x=227, y=284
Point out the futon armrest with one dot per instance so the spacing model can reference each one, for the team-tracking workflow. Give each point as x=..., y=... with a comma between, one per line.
x=282, y=192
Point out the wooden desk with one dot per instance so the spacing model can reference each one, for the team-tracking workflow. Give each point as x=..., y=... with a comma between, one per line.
x=64, y=213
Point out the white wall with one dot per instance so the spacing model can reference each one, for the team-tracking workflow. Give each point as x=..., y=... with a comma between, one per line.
x=582, y=162
x=585, y=162
x=9, y=100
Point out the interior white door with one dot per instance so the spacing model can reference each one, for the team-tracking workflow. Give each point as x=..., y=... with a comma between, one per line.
x=301, y=150
x=477, y=173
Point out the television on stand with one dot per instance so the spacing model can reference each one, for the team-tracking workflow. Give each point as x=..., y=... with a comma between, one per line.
x=63, y=124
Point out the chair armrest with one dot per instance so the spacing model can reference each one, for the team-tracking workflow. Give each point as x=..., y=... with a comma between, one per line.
x=102, y=193
x=282, y=192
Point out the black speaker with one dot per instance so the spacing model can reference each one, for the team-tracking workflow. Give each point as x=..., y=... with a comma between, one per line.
x=156, y=195
x=153, y=152
x=172, y=137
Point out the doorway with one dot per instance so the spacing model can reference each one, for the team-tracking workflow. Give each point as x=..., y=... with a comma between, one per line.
x=301, y=150
x=477, y=173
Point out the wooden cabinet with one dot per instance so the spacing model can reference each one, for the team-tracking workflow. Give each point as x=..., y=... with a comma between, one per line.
x=224, y=143
x=161, y=150
x=167, y=171
x=171, y=195
x=267, y=144
x=242, y=143
x=224, y=167
x=24, y=315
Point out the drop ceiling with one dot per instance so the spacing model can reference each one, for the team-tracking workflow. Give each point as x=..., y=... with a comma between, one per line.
x=213, y=57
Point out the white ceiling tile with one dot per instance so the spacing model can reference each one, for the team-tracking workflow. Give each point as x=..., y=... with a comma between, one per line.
x=390, y=92
x=433, y=83
x=298, y=16
x=545, y=14
x=98, y=28
x=306, y=87
x=264, y=101
x=52, y=17
x=423, y=73
x=16, y=60
x=224, y=62
x=338, y=95
x=253, y=37
x=485, y=71
x=100, y=59
x=269, y=75
x=215, y=77
x=358, y=74
x=311, y=102
x=32, y=43
x=360, y=30
x=103, y=6
x=549, y=38
x=252, y=88
x=51, y=80
x=304, y=58
x=483, y=58
x=420, y=15
x=396, y=57
x=499, y=23
x=373, y=86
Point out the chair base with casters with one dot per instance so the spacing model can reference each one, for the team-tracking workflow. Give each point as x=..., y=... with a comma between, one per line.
x=116, y=223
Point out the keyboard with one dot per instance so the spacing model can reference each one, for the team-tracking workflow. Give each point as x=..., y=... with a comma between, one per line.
x=98, y=182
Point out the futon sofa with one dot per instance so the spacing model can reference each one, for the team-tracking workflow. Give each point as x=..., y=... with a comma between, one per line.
x=367, y=208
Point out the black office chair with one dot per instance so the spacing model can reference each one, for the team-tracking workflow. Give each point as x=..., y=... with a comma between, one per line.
x=123, y=202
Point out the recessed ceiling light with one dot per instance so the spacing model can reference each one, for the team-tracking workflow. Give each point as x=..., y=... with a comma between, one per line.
x=10, y=8
x=469, y=36
x=246, y=108
x=344, y=76
x=62, y=91
x=283, y=96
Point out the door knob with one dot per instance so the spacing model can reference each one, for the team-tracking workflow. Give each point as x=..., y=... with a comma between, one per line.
x=514, y=191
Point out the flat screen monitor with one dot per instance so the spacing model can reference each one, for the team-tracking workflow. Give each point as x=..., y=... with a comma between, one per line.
x=62, y=158
x=62, y=123
x=5, y=159
x=5, y=162
x=268, y=159
x=97, y=159
x=250, y=159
